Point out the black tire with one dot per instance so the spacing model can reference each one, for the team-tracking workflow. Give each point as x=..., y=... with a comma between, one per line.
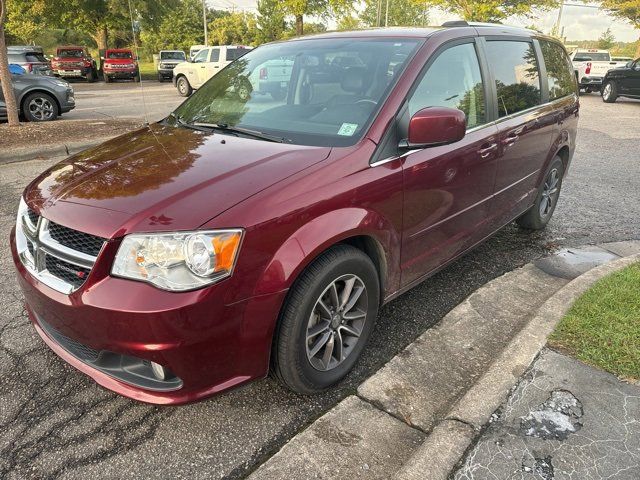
x=136, y=78
x=291, y=363
x=534, y=218
x=610, y=92
x=183, y=86
x=160, y=78
x=39, y=107
x=107, y=79
x=91, y=76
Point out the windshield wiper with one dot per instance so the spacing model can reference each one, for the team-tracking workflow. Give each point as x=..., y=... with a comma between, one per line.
x=225, y=127
x=184, y=124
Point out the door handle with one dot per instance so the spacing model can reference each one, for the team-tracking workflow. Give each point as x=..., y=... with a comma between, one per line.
x=484, y=152
x=510, y=140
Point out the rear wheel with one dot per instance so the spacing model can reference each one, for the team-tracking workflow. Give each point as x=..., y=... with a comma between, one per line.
x=279, y=94
x=539, y=215
x=326, y=320
x=610, y=92
x=39, y=107
x=183, y=86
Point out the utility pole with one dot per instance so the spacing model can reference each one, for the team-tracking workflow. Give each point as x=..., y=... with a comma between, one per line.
x=204, y=21
x=378, y=14
x=386, y=15
x=556, y=28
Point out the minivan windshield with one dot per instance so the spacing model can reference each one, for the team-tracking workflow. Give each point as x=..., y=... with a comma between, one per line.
x=322, y=92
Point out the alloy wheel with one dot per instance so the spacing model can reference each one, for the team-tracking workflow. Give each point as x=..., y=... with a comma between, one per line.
x=606, y=93
x=336, y=322
x=40, y=108
x=550, y=192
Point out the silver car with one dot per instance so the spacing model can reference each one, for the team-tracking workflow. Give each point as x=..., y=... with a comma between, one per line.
x=40, y=98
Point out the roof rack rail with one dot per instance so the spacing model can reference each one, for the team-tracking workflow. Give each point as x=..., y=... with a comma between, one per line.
x=456, y=23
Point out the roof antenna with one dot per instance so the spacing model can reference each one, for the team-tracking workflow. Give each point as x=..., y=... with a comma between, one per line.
x=135, y=46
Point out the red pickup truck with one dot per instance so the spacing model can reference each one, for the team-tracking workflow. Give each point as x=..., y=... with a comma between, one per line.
x=120, y=63
x=75, y=62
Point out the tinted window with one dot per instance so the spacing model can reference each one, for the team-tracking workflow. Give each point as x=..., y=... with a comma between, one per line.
x=595, y=56
x=235, y=53
x=172, y=56
x=215, y=54
x=453, y=80
x=35, y=57
x=559, y=70
x=515, y=69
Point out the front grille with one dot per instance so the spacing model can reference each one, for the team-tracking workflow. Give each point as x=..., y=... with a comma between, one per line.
x=33, y=217
x=82, y=242
x=70, y=273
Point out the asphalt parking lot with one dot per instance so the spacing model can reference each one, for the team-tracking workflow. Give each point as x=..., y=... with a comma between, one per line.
x=57, y=423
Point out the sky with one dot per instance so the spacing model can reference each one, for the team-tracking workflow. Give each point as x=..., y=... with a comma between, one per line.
x=579, y=22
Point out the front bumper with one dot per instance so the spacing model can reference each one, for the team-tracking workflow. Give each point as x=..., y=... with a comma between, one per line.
x=209, y=346
x=121, y=74
x=72, y=72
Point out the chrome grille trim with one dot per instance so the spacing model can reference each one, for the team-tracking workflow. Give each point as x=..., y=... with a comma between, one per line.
x=41, y=245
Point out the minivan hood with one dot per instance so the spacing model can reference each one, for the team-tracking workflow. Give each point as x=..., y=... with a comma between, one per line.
x=162, y=178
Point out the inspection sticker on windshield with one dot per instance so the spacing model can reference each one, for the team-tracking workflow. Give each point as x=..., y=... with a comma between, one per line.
x=348, y=129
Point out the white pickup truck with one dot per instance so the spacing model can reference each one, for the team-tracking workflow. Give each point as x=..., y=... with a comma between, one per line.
x=590, y=66
x=189, y=76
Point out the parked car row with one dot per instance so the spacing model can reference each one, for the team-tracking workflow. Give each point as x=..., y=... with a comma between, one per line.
x=590, y=66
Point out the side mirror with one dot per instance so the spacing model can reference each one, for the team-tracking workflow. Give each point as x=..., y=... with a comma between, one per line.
x=434, y=126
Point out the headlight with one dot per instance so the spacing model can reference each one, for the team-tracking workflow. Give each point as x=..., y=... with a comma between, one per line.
x=60, y=83
x=178, y=261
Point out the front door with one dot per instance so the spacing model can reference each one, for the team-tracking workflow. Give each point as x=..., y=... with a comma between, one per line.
x=631, y=80
x=196, y=73
x=212, y=66
x=447, y=189
x=525, y=127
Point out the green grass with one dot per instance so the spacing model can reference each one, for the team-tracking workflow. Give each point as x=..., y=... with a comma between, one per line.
x=147, y=70
x=603, y=327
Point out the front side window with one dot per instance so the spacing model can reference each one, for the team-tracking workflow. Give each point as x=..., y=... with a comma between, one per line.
x=559, y=70
x=296, y=91
x=202, y=55
x=453, y=80
x=515, y=70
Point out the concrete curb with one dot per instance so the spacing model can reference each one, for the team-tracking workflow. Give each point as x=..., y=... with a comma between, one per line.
x=475, y=408
x=448, y=438
x=45, y=151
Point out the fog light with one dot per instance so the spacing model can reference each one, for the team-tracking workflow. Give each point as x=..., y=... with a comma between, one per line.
x=158, y=371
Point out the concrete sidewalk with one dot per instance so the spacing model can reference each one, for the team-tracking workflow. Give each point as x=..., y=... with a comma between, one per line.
x=419, y=414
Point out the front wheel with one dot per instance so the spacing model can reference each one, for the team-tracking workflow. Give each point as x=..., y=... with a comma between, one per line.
x=107, y=78
x=326, y=320
x=539, y=215
x=609, y=92
x=183, y=86
x=91, y=76
x=39, y=107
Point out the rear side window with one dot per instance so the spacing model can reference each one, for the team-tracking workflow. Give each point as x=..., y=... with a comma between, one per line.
x=215, y=55
x=35, y=57
x=453, y=80
x=515, y=70
x=235, y=53
x=559, y=70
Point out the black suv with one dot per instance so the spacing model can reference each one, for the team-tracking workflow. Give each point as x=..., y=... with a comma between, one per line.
x=622, y=82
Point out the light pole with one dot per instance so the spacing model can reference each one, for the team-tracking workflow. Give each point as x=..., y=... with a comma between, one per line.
x=204, y=21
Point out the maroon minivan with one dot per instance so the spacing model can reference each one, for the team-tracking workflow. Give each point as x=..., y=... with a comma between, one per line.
x=245, y=233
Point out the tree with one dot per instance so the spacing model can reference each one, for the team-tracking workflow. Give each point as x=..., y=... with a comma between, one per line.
x=401, y=13
x=323, y=8
x=5, y=76
x=606, y=40
x=233, y=29
x=491, y=10
x=271, y=24
x=628, y=10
